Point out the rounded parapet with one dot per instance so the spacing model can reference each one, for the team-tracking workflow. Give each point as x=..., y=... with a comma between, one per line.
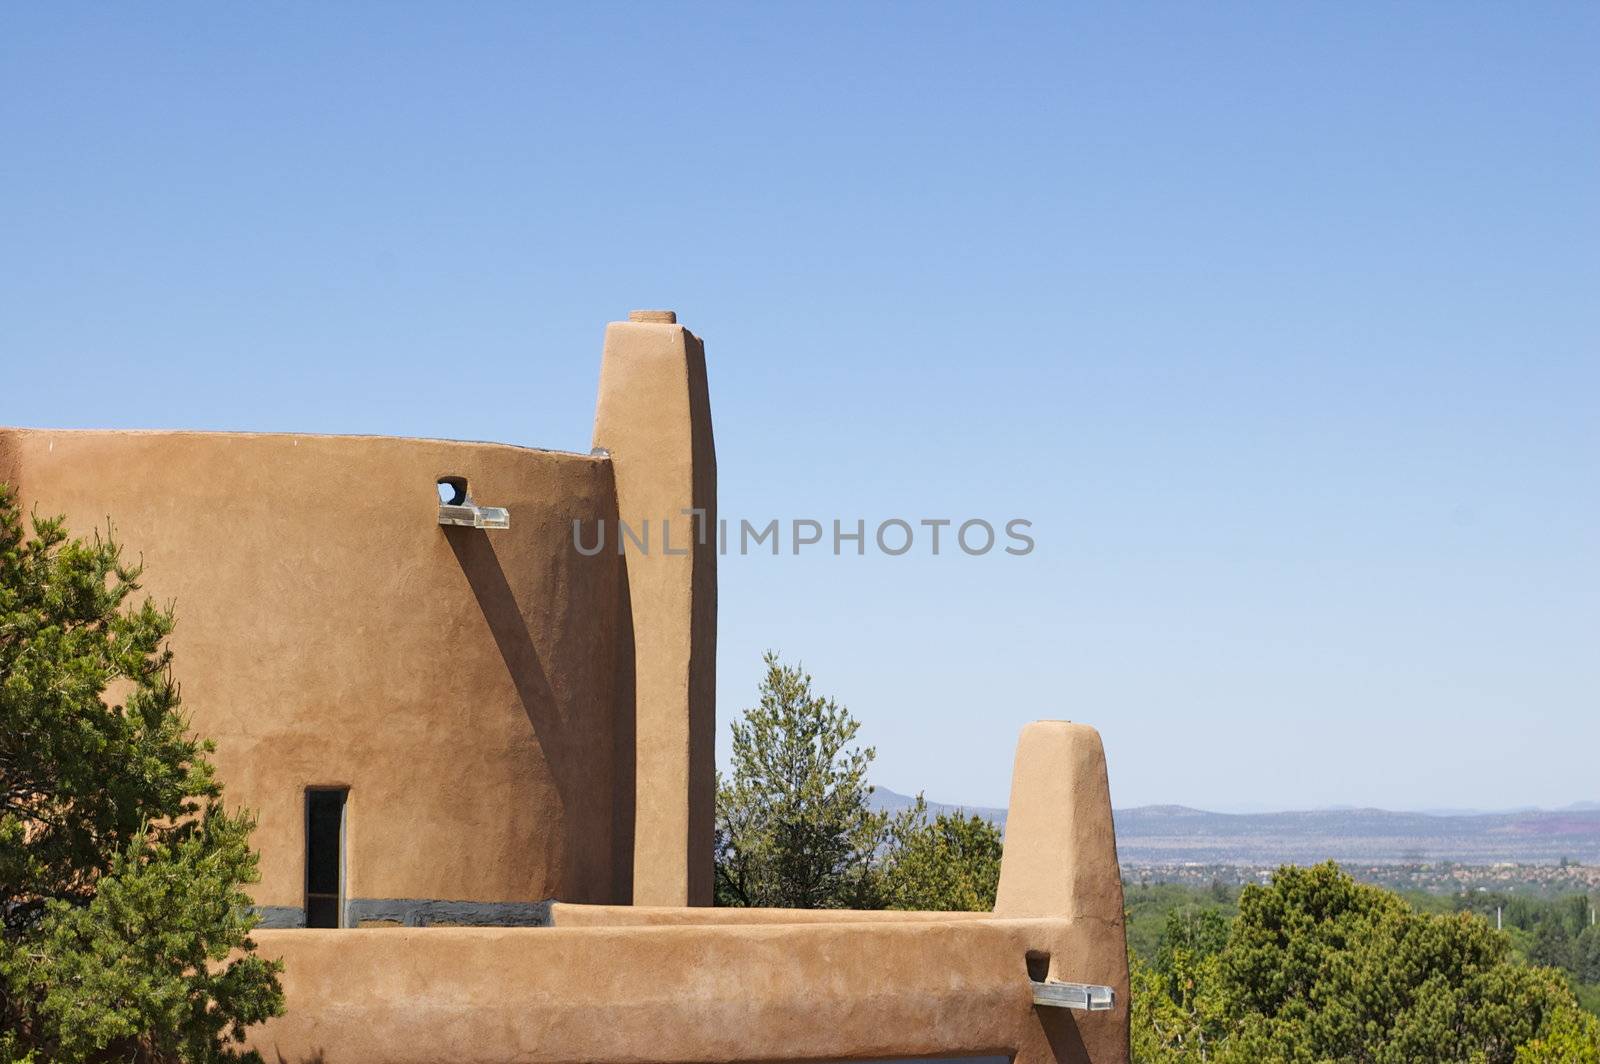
x=1060, y=861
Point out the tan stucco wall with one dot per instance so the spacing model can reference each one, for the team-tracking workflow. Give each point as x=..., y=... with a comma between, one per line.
x=466, y=686
x=1060, y=860
x=653, y=416
x=818, y=991
x=609, y=983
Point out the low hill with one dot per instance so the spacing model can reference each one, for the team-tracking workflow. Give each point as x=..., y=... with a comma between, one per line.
x=1169, y=834
x=894, y=801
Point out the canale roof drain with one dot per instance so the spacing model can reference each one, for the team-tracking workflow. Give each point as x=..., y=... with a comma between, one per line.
x=457, y=508
x=1088, y=997
x=1052, y=993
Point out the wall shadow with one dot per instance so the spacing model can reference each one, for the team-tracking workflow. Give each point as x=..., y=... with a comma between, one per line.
x=1061, y=1031
x=625, y=792
x=475, y=554
x=479, y=564
x=584, y=789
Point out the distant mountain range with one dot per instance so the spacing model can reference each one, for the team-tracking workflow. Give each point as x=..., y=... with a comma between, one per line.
x=1171, y=834
x=894, y=801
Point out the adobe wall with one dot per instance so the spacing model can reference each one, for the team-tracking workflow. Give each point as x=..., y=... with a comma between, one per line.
x=682, y=984
x=653, y=417
x=472, y=689
x=822, y=991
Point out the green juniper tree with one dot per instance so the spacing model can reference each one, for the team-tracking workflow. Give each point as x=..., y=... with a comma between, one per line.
x=951, y=862
x=123, y=920
x=1317, y=967
x=1322, y=967
x=795, y=828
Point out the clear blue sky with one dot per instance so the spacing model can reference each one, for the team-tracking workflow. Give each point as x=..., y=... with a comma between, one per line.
x=1280, y=322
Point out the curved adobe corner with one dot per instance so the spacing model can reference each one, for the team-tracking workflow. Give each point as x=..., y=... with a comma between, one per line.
x=472, y=690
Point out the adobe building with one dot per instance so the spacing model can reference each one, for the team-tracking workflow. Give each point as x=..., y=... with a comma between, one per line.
x=482, y=759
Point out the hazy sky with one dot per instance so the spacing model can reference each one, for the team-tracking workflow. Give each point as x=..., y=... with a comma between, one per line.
x=1281, y=323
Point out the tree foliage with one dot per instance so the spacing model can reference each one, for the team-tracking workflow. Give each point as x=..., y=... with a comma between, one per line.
x=1178, y=1014
x=795, y=828
x=123, y=922
x=1317, y=967
x=1586, y=955
x=949, y=863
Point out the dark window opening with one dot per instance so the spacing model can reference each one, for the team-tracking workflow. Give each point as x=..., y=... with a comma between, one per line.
x=1038, y=965
x=452, y=490
x=324, y=858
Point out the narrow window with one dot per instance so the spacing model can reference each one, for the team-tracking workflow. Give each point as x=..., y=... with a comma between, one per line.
x=325, y=858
